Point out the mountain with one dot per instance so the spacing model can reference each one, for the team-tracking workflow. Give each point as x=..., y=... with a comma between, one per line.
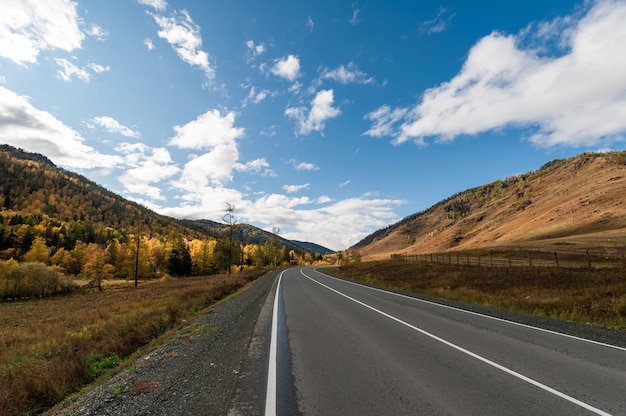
x=250, y=234
x=574, y=201
x=35, y=192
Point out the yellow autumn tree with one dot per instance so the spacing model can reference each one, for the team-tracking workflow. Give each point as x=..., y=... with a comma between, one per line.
x=95, y=268
x=39, y=252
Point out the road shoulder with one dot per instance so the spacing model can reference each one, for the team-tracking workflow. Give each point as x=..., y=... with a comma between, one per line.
x=193, y=373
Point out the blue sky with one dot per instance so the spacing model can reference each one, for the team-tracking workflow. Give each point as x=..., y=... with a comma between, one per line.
x=325, y=119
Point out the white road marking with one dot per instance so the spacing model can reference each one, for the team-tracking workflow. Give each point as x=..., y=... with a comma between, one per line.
x=467, y=352
x=476, y=313
x=270, y=395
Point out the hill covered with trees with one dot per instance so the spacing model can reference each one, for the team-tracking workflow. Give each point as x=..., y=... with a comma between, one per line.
x=71, y=228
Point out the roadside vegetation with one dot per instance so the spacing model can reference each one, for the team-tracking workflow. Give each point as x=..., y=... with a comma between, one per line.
x=50, y=348
x=585, y=295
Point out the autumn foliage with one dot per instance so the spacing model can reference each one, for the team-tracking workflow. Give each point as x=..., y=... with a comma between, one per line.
x=60, y=226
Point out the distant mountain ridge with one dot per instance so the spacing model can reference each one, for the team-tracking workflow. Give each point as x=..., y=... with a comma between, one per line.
x=579, y=200
x=31, y=185
x=250, y=234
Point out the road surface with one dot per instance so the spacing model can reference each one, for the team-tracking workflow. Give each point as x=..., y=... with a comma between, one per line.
x=339, y=348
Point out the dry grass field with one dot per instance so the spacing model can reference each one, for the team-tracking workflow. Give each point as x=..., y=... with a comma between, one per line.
x=50, y=348
x=595, y=296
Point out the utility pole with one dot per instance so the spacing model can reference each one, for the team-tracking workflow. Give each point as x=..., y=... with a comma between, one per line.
x=137, y=256
x=229, y=219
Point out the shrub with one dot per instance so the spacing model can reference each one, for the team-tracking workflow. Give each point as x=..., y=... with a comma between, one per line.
x=26, y=280
x=98, y=364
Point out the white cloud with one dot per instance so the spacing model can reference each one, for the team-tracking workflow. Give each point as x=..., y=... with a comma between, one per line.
x=97, y=68
x=256, y=49
x=69, y=70
x=158, y=5
x=336, y=226
x=287, y=68
x=183, y=35
x=290, y=189
x=22, y=125
x=344, y=184
x=208, y=130
x=321, y=110
x=145, y=166
x=113, y=126
x=354, y=20
x=277, y=201
x=439, y=23
x=575, y=98
x=213, y=168
x=97, y=32
x=384, y=119
x=310, y=24
x=148, y=44
x=350, y=74
x=255, y=97
x=360, y=206
x=256, y=166
x=28, y=27
x=205, y=203
x=306, y=166
x=217, y=133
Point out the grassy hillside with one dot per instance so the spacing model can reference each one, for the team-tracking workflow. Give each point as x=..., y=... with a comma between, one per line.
x=571, y=202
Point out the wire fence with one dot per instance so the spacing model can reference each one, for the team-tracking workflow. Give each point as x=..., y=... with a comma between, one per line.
x=590, y=258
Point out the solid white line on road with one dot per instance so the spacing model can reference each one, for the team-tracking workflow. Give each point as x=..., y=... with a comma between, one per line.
x=467, y=352
x=270, y=395
x=590, y=341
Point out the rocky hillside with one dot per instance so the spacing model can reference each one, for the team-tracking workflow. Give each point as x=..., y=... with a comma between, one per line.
x=575, y=201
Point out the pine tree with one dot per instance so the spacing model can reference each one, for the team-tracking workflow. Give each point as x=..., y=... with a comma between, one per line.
x=178, y=256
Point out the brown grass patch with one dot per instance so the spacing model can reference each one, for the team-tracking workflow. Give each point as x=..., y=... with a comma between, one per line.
x=591, y=296
x=143, y=386
x=45, y=344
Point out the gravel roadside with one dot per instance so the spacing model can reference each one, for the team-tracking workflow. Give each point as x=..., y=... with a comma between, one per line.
x=194, y=373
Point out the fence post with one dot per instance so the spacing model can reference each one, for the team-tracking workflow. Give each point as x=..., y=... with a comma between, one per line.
x=479, y=260
x=491, y=257
x=530, y=260
x=449, y=258
x=457, y=259
x=588, y=259
x=556, y=257
x=509, y=259
x=467, y=255
x=623, y=262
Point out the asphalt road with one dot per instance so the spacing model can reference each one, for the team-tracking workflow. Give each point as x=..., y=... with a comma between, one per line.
x=338, y=348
